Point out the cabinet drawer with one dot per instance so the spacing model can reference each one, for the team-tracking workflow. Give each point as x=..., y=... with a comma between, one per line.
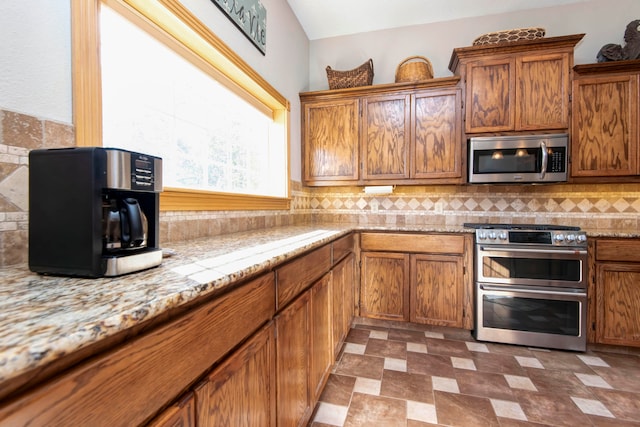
x=625, y=250
x=127, y=386
x=413, y=243
x=299, y=274
x=342, y=247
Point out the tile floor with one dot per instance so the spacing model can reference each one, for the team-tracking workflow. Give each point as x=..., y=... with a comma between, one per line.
x=394, y=374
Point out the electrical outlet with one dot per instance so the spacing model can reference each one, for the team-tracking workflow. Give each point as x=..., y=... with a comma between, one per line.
x=439, y=207
x=374, y=206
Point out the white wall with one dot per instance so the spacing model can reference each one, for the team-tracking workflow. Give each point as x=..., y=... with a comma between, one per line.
x=35, y=57
x=603, y=21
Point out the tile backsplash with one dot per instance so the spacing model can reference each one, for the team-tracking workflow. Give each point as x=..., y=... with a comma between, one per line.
x=603, y=206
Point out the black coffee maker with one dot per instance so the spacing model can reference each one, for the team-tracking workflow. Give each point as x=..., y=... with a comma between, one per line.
x=93, y=211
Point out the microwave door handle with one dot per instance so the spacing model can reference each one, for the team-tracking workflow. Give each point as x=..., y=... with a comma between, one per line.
x=545, y=158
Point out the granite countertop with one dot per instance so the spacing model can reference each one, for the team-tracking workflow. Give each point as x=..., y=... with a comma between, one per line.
x=44, y=318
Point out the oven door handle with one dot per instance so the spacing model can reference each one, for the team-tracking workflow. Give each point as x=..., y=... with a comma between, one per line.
x=535, y=251
x=546, y=291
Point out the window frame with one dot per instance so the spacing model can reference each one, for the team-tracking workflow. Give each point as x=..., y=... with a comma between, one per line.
x=171, y=23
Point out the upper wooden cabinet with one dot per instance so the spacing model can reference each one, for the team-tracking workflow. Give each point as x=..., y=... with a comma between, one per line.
x=386, y=137
x=605, y=139
x=519, y=86
x=383, y=134
x=331, y=133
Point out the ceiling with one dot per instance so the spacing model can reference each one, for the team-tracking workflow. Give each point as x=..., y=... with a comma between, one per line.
x=329, y=18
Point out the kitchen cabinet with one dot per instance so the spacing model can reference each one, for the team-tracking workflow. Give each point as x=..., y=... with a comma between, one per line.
x=292, y=363
x=384, y=291
x=216, y=361
x=617, y=289
x=241, y=391
x=436, y=121
x=331, y=131
x=343, y=286
x=180, y=414
x=436, y=290
x=403, y=134
x=423, y=278
x=321, y=335
x=605, y=135
x=305, y=326
x=305, y=353
x=385, y=142
x=153, y=368
x=518, y=86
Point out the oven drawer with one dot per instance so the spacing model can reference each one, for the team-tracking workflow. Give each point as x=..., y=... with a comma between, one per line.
x=532, y=316
x=619, y=250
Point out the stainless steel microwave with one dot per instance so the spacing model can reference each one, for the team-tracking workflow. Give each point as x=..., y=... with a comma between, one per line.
x=518, y=159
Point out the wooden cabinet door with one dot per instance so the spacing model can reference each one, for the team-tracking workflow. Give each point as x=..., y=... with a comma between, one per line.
x=437, y=290
x=604, y=130
x=331, y=141
x=342, y=300
x=321, y=335
x=542, y=92
x=292, y=363
x=490, y=105
x=385, y=137
x=384, y=288
x=182, y=414
x=437, y=135
x=241, y=391
x=617, y=301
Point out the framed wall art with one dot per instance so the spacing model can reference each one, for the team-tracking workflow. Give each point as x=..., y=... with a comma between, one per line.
x=250, y=17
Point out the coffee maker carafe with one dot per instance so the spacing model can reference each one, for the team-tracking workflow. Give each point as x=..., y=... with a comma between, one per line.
x=93, y=211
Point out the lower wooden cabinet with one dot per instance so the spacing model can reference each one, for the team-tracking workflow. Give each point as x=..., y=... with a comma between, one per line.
x=384, y=291
x=436, y=290
x=422, y=278
x=259, y=355
x=129, y=384
x=181, y=414
x=242, y=390
x=292, y=363
x=321, y=336
x=617, y=291
x=343, y=301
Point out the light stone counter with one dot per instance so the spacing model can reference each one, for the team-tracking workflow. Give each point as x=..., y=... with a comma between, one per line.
x=44, y=318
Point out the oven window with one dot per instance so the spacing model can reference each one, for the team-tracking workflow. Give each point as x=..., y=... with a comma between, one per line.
x=531, y=268
x=532, y=315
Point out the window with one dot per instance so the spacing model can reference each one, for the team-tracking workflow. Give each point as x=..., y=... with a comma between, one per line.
x=168, y=87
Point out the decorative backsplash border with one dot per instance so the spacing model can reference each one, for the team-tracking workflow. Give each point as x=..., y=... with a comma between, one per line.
x=601, y=206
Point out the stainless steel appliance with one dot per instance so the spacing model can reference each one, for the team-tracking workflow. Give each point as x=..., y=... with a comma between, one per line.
x=531, y=285
x=518, y=159
x=93, y=211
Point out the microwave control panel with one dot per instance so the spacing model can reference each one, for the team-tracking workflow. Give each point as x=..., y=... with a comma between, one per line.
x=557, y=160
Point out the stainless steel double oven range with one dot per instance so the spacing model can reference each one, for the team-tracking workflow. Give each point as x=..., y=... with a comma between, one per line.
x=531, y=285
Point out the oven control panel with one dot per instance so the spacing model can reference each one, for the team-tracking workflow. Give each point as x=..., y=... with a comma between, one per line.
x=568, y=238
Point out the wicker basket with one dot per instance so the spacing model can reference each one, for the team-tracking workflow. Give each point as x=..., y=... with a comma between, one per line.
x=414, y=71
x=508, y=36
x=359, y=76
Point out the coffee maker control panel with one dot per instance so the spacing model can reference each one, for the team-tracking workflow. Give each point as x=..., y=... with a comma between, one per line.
x=127, y=170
